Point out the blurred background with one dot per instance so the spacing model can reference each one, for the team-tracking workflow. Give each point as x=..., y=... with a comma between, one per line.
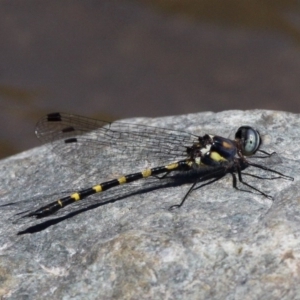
x=112, y=59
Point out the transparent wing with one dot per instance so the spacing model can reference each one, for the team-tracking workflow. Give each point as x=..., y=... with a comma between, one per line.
x=81, y=140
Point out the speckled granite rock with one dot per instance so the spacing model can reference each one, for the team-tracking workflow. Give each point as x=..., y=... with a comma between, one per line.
x=222, y=244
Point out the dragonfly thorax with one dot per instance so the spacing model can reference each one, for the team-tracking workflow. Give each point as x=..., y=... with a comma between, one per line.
x=212, y=150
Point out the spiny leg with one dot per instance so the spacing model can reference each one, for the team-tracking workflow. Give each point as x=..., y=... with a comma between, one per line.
x=259, y=177
x=271, y=170
x=247, y=184
x=215, y=174
x=234, y=184
x=267, y=154
x=184, y=198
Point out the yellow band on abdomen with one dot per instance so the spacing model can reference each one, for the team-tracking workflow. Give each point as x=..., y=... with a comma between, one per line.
x=122, y=180
x=75, y=196
x=97, y=188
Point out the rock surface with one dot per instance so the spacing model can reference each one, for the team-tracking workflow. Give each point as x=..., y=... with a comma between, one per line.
x=222, y=244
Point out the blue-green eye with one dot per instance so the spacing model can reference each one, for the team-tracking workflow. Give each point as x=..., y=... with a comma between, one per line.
x=249, y=140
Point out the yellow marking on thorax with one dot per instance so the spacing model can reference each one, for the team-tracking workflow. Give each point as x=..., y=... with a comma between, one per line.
x=122, y=180
x=75, y=196
x=197, y=161
x=190, y=163
x=60, y=203
x=97, y=188
x=172, y=166
x=226, y=145
x=146, y=173
x=216, y=156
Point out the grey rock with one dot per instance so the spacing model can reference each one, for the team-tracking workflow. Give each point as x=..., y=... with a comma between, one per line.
x=222, y=244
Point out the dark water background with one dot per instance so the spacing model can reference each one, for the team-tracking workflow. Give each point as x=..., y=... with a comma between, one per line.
x=114, y=59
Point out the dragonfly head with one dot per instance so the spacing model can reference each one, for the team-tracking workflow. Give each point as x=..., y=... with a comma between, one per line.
x=248, y=140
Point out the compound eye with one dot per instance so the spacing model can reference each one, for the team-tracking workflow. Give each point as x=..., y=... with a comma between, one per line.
x=249, y=138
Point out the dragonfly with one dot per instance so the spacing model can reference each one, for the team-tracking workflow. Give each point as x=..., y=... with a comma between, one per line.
x=79, y=139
